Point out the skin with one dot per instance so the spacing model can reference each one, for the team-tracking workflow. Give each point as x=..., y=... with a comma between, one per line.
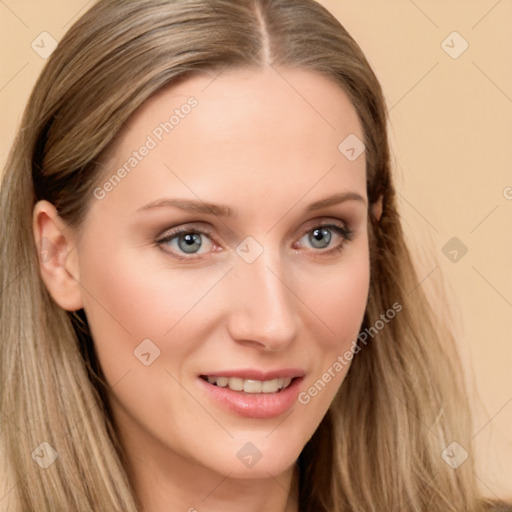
x=267, y=151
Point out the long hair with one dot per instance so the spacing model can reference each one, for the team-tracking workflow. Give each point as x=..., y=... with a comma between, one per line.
x=379, y=448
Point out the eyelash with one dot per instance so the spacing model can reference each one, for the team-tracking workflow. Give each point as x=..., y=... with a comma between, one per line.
x=345, y=233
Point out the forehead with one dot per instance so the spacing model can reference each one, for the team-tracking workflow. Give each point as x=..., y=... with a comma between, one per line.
x=257, y=131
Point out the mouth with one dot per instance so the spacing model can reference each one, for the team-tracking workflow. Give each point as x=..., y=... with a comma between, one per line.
x=254, y=386
x=253, y=393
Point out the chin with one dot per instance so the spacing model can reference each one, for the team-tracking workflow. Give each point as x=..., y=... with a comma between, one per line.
x=256, y=458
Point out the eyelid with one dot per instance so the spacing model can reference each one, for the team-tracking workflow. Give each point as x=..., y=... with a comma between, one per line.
x=325, y=222
x=185, y=228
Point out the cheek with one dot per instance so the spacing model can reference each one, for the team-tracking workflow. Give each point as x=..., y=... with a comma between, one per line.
x=128, y=300
x=338, y=307
x=345, y=304
x=144, y=322
x=337, y=300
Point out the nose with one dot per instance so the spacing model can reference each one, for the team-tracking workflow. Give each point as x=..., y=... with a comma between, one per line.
x=262, y=307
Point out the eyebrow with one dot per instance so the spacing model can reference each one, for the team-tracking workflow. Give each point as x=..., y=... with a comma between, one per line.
x=191, y=206
x=220, y=210
x=335, y=199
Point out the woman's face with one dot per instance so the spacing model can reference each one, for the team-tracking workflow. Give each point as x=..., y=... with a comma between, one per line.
x=215, y=267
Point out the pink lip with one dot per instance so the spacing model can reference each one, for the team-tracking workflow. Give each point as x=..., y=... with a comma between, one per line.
x=255, y=405
x=251, y=373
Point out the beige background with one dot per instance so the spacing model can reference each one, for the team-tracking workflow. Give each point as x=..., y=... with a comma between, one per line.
x=451, y=125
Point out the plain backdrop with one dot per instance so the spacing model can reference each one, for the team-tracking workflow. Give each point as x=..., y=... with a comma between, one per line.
x=446, y=70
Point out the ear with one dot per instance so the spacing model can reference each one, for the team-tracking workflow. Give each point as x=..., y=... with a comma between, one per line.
x=58, y=259
x=376, y=209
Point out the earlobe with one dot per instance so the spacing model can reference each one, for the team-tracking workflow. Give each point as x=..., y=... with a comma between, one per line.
x=376, y=209
x=58, y=262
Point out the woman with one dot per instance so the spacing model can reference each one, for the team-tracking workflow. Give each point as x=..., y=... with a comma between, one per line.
x=207, y=300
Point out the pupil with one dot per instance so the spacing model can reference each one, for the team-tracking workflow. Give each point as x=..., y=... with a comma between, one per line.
x=321, y=238
x=190, y=242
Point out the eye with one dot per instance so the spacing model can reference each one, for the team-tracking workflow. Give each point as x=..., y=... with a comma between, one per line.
x=326, y=236
x=186, y=241
x=320, y=238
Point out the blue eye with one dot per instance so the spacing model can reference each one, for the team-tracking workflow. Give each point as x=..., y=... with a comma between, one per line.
x=321, y=236
x=187, y=242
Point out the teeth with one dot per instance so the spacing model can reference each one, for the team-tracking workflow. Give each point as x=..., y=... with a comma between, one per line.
x=236, y=384
x=270, y=386
x=222, y=381
x=250, y=385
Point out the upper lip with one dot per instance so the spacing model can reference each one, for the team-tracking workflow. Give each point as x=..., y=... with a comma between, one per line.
x=255, y=374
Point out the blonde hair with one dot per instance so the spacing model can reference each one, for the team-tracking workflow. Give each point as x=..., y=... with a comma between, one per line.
x=403, y=401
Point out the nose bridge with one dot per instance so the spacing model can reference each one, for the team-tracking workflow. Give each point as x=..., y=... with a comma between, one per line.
x=263, y=310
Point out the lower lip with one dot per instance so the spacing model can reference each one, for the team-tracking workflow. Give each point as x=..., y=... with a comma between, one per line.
x=254, y=405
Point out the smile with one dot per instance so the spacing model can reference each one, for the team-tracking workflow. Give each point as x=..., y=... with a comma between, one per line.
x=249, y=385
